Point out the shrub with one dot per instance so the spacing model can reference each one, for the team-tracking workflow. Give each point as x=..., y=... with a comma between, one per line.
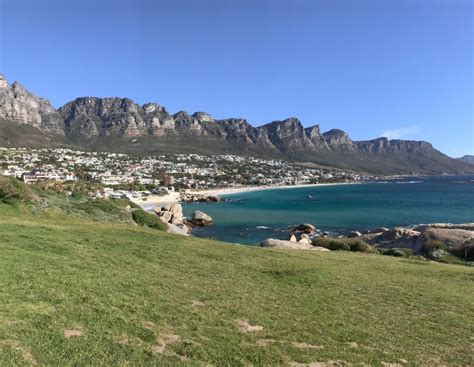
x=449, y=259
x=361, y=246
x=146, y=219
x=12, y=191
x=397, y=252
x=343, y=244
x=465, y=252
x=100, y=209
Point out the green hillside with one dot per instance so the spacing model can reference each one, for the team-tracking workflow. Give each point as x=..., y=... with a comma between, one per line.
x=80, y=287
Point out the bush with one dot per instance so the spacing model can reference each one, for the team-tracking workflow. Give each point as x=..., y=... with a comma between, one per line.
x=465, y=252
x=13, y=191
x=343, y=244
x=397, y=252
x=146, y=219
x=101, y=209
x=361, y=246
x=449, y=259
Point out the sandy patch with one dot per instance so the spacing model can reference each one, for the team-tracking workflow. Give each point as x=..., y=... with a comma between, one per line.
x=166, y=339
x=74, y=332
x=306, y=346
x=16, y=345
x=246, y=327
x=265, y=342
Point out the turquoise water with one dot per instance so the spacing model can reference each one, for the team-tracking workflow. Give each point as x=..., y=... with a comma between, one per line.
x=339, y=208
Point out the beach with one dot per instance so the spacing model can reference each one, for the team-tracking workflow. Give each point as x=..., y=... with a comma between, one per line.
x=149, y=202
x=156, y=200
x=236, y=190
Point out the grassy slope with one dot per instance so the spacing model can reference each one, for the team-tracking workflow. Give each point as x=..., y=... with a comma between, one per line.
x=128, y=287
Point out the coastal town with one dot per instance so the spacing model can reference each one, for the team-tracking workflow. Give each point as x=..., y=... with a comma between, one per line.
x=116, y=175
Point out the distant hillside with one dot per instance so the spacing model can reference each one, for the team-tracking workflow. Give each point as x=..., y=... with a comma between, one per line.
x=467, y=158
x=119, y=124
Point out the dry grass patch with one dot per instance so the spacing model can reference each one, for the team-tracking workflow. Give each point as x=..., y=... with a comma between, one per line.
x=245, y=327
x=166, y=339
x=75, y=332
x=306, y=346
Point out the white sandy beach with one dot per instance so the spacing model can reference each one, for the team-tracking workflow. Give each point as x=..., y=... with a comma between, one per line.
x=156, y=200
x=236, y=190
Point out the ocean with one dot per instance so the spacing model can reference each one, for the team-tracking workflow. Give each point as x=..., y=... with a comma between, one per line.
x=251, y=217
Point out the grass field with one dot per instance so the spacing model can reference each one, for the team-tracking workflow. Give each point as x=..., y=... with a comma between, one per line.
x=76, y=291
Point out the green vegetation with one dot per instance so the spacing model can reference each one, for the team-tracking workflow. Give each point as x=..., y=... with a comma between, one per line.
x=344, y=244
x=79, y=287
x=465, y=251
x=146, y=219
x=397, y=252
x=13, y=192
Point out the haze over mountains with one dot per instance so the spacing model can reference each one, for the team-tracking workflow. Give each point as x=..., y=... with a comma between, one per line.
x=119, y=124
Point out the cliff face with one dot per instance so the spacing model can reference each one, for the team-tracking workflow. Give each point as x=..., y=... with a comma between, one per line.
x=19, y=105
x=120, y=124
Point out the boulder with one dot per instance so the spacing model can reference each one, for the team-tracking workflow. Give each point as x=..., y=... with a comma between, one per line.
x=176, y=220
x=306, y=228
x=176, y=209
x=165, y=216
x=451, y=237
x=180, y=229
x=200, y=218
x=282, y=244
x=378, y=230
x=398, y=232
x=305, y=240
x=166, y=207
x=354, y=234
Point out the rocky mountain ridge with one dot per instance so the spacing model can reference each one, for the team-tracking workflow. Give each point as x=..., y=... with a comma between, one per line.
x=120, y=124
x=467, y=158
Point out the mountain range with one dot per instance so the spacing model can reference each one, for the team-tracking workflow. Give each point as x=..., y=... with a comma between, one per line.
x=120, y=124
x=467, y=158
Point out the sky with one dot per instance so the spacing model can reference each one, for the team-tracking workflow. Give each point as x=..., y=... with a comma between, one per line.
x=395, y=68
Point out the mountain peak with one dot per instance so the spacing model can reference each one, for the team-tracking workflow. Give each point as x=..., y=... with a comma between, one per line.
x=3, y=81
x=203, y=116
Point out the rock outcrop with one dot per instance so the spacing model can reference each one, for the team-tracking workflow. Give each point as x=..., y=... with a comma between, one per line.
x=17, y=104
x=172, y=216
x=290, y=245
x=201, y=219
x=423, y=238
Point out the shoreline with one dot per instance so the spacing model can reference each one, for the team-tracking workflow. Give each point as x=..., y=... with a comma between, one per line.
x=236, y=190
x=156, y=200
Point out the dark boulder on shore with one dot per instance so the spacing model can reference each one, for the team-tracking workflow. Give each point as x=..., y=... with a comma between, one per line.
x=305, y=228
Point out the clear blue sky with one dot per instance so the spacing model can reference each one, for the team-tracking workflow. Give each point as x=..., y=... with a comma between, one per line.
x=402, y=68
